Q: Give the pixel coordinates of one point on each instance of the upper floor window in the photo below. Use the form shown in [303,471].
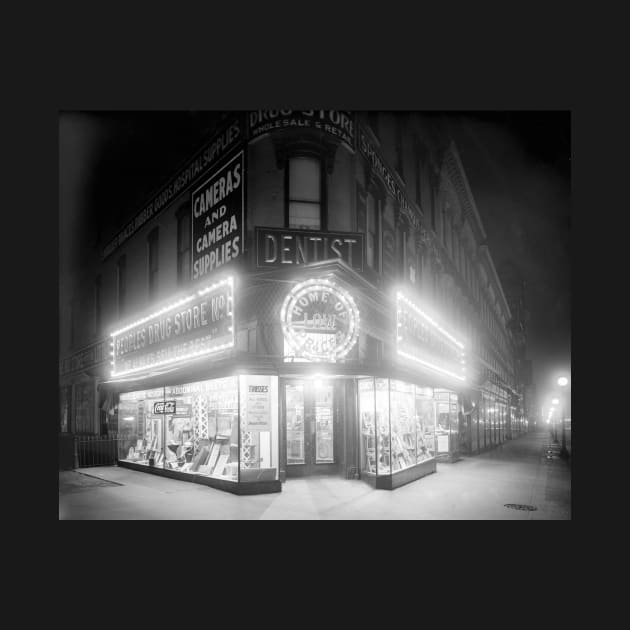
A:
[183,245]
[121,281]
[305,193]
[404,272]
[372,232]
[153,242]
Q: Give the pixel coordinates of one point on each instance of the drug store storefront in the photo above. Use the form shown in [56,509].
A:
[187,407]
[290,374]
[352,402]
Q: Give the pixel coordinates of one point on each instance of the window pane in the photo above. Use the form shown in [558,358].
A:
[367,413]
[304,215]
[324,452]
[183,235]
[295,423]
[304,179]
[370,250]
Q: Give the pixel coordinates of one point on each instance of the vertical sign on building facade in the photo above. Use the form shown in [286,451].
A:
[218,218]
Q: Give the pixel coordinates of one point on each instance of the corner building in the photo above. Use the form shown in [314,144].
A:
[310,294]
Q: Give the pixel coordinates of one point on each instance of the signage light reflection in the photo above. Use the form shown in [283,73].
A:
[192,355]
[399,338]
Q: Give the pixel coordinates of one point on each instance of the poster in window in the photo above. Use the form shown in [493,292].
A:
[258,403]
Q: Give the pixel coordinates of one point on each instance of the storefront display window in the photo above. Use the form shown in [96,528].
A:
[367,424]
[397,425]
[383,446]
[324,452]
[403,429]
[194,428]
[295,423]
[425,424]
[202,434]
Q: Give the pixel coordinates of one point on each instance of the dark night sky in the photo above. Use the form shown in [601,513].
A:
[517,163]
[518,166]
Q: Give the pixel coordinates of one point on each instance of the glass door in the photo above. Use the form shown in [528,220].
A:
[312,427]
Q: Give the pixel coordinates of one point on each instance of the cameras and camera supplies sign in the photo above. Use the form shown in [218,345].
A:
[320,321]
[218,218]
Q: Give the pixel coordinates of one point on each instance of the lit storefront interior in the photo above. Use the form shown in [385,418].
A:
[209,428]
[398,431]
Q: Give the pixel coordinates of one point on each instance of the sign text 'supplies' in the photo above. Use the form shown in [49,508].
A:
[217,218]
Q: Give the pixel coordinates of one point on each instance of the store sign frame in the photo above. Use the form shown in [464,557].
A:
[278,247]
[336,123]
[320,320]
[218,219]
[421,339]
[199,324]
[230,136]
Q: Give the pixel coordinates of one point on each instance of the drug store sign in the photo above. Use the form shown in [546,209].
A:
[197,325]
[320,321]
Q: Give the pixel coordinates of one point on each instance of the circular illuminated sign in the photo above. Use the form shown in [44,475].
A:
[320,320]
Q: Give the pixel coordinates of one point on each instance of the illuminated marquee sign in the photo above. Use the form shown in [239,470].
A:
[320,320]
[277,247]
[197,325]
[421,339]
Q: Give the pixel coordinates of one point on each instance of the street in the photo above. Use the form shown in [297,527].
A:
[522,472]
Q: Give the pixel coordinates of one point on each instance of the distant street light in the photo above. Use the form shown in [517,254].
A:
[555,401]
[563,382]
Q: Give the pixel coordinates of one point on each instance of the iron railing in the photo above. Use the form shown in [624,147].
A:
[96,450]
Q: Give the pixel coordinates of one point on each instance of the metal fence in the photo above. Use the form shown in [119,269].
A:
[96,450]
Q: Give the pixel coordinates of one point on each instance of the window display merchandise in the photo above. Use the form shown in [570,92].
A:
[397,421]
[447,430]
[295,423]
[194,428]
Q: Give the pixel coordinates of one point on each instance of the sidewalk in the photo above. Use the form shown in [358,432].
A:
[477,487]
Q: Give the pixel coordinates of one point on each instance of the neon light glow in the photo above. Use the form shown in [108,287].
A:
[436,348]
[211,315]
[229,281]
[329,324]
[430,365]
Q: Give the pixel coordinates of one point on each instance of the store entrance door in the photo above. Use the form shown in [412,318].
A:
[313,427]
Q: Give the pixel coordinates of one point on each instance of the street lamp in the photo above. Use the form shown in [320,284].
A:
[563,382]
